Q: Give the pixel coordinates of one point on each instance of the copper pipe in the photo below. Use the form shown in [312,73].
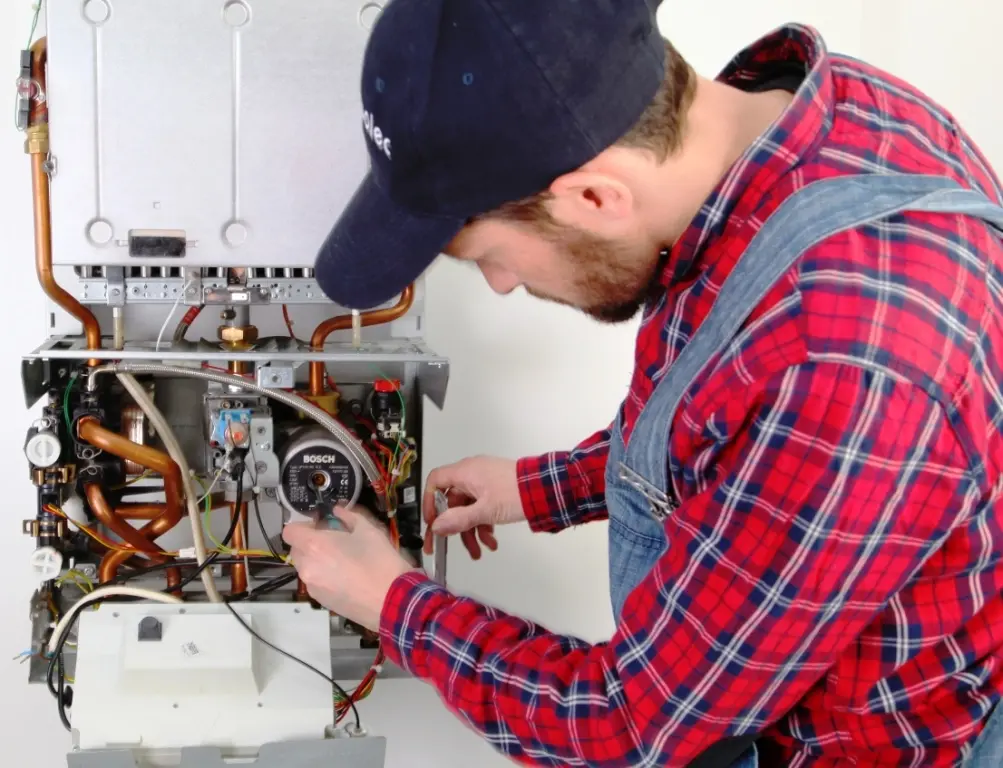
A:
[140,511]
[238,573]
[237,367]
[174,581]
[89,430]
[112,561]
[344,322]
[104,513]
[37,145]
[110,564]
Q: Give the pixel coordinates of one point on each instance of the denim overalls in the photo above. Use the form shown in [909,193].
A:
[639,494]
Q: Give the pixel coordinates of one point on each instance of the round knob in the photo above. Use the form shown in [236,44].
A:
[236,13]
[97,11]
[235,233]
[46,563]
[369,14]
[100,232]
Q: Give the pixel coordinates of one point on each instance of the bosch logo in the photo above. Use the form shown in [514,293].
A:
[320,458]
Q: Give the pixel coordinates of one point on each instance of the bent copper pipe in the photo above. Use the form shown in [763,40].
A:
[37,145]
[238,574]
[112,561]
[140,511]
[104,513]
[89,430]
[92,432]
[344,322]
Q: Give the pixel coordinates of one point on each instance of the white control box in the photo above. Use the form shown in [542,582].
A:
[193,676]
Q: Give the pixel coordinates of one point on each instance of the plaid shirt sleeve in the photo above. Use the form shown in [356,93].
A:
[566,488]
[825,487]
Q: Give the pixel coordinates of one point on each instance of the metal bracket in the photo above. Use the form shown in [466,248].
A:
[193,293]
[275,376]
[116,286]
[24,86]
[252,296]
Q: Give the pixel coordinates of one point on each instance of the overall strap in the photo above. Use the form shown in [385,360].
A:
[803,220]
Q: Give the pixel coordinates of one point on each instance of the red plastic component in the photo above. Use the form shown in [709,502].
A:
[387,385]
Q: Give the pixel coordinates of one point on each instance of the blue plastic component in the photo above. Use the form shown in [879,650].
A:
[240,416]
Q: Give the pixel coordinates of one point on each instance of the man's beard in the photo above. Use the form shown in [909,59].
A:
[612,280]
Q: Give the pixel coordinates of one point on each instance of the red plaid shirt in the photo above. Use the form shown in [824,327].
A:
[866,387]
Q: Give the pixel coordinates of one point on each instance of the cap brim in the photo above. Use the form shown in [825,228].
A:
[377,248]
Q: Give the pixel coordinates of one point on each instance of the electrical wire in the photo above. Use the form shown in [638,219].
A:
[138,573]
[100,594]
[175,451]
[174,308]
[37,7]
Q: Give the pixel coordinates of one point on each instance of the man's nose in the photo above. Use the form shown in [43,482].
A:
[500,281]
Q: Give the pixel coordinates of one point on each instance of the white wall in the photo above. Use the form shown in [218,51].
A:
[515,362]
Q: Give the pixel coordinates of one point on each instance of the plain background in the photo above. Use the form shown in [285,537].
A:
[526,377]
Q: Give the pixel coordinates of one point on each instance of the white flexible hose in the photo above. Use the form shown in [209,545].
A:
[352,444]
[145,402]
[99,594]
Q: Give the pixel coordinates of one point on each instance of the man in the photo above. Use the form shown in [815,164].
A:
[802,485]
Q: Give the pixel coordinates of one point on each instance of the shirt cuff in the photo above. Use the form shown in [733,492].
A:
[545,487]
[411,599]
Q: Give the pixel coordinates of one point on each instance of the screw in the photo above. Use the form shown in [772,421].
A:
[265,446]
[115,291]
[261,467]
[261,430]
[135,290]
[270,493]
[87,570]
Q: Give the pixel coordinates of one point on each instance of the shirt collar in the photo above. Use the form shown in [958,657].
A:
[796,133]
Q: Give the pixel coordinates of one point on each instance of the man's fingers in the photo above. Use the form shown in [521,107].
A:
[470,542]
[487,536]
[429,547]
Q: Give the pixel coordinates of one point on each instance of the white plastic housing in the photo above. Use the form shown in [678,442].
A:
[207,682]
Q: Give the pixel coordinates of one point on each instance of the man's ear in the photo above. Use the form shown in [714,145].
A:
[591,200]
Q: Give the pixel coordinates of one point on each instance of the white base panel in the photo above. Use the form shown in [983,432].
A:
[206,683]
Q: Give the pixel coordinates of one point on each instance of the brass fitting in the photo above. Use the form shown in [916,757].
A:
[238,335]
[327,402]
[36,140]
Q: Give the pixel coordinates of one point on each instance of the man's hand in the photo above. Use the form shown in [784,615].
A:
[348,572]
[483,493]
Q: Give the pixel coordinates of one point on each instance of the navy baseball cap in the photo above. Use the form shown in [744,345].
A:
[469,104]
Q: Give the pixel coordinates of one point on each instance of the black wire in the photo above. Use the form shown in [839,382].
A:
[261,527]
[61,695]
[331,680]
[264,588]
[178,563]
